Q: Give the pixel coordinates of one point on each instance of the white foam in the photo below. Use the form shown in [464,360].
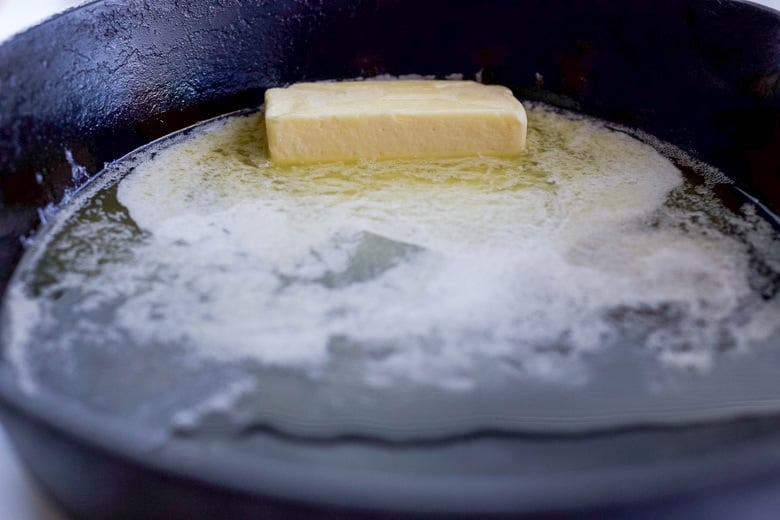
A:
[19,323]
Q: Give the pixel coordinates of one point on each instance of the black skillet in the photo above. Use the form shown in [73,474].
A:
[111,76]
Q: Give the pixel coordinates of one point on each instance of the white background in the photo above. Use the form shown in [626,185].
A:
[19,500]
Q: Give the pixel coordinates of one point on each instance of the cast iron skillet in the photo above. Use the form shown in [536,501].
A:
[106,78]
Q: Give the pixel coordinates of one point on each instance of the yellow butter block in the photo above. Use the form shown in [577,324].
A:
[319,122]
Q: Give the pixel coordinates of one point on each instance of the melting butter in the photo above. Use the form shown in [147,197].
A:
[438,272]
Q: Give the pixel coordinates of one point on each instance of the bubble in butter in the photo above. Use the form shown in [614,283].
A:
[439,273]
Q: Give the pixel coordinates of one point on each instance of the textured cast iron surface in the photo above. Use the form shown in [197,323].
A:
[113,75]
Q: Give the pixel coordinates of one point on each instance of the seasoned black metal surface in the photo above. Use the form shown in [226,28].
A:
[111,76]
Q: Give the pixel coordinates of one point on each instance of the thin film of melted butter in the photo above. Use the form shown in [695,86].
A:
[441,272]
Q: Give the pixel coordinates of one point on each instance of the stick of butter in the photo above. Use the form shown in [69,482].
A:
[319,122]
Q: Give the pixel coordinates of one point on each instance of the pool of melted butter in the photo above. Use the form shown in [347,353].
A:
[585,284]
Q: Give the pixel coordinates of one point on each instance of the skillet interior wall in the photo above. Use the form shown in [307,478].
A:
[111,76]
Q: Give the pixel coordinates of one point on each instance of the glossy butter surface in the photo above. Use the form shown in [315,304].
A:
[321,122]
